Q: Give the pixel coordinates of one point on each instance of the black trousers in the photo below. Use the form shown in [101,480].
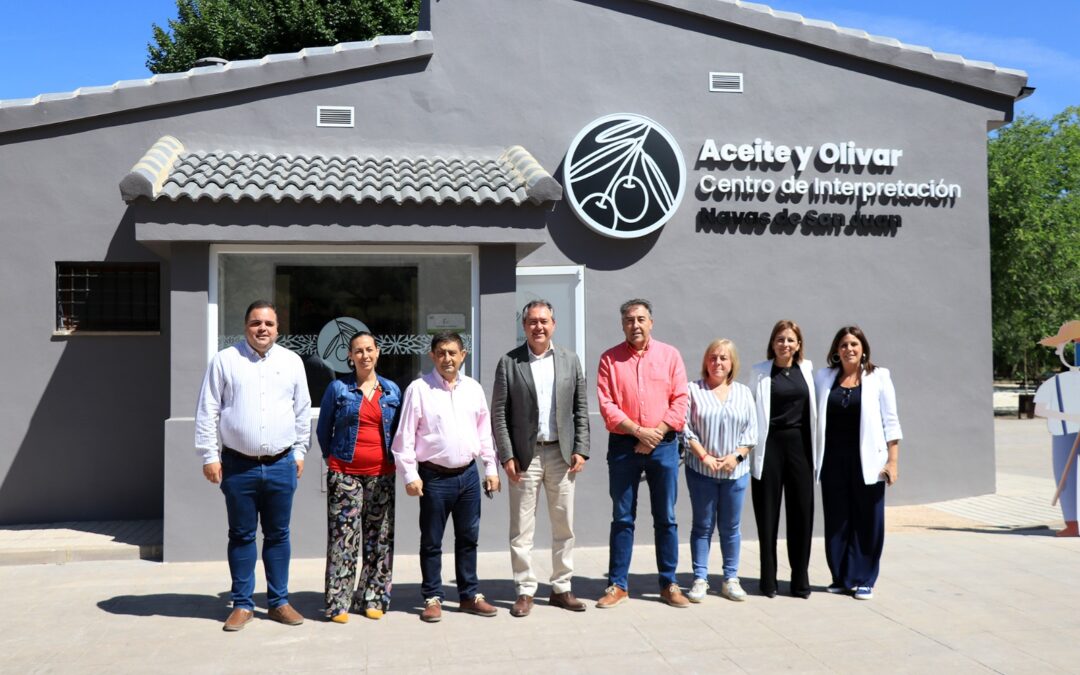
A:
[788,473]
[854,519]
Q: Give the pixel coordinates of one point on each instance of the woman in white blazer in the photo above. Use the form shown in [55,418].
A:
[783,460]
[859,434]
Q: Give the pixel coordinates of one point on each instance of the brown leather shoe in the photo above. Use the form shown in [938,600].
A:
[432,611]
[612,596]
[566,601]
[285,614]
[673,596]
[523,606]
[238,618]
[479,606]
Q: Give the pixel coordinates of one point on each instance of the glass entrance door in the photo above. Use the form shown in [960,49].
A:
[323,299]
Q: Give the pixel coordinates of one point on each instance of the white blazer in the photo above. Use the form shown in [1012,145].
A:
[878,422]
[761,385]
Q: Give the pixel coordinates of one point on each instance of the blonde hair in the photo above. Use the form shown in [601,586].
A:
[721,343]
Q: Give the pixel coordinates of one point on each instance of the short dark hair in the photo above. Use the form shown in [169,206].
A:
[625,307]
[536,303]
[834,349]
[781,325]
[259,304]
[446,336]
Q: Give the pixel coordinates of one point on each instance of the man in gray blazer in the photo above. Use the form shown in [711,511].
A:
[540,419]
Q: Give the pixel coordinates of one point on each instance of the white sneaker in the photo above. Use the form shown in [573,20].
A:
[698,590]
[732,590]
[864,593]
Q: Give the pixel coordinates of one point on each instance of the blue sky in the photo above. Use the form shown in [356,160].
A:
[60,45]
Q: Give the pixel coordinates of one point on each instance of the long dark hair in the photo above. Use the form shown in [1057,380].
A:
[833,359]
[785,324]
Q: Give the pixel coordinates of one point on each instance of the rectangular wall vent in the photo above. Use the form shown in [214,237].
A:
[728,83]
[335,116]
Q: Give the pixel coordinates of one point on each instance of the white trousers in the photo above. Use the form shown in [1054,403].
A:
[548,470]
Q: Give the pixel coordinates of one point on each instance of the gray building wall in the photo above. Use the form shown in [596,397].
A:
[529,73]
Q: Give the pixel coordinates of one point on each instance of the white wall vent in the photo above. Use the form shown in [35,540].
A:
[728,83]
[335,116]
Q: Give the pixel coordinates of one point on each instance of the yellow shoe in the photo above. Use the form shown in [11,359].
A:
[373,613]
[340,618]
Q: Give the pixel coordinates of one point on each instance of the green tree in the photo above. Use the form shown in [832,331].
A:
[1034,176]
[251,29]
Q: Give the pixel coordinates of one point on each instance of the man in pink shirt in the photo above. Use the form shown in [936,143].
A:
[641,385]
[445,426]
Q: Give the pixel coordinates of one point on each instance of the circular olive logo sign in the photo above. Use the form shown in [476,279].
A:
[624,175]
[333,342]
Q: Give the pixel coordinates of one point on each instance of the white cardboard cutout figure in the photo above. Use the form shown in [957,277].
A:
[1058,400]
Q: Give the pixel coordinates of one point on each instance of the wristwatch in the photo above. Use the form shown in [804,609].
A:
[739,457]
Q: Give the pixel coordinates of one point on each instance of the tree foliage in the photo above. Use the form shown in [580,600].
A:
[251,29]
[1034,190]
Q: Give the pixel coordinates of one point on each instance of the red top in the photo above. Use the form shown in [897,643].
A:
[369,458]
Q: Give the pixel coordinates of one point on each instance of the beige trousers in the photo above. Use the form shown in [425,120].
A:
[548,470]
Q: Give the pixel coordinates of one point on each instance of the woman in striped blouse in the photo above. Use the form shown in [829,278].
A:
[721,428]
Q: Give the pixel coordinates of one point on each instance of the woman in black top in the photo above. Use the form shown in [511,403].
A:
[783,459]
[859,435]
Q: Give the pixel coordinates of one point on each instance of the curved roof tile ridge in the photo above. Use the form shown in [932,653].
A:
[210,80]
[149,173]
[855,42]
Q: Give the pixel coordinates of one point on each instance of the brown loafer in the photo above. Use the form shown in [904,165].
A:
[432,611]
[285,614]
[478,605]
[673,596]
[612,596]
[238,618]
[566,601]
[522,606]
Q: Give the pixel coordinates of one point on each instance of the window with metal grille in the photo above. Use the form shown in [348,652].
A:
[108,297]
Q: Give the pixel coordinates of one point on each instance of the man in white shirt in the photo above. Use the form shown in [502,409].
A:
[252,429]
[540,419]
[1058,400]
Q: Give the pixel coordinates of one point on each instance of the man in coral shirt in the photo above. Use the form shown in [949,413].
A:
[641,385]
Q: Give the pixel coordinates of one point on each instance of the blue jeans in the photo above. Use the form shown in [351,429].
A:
[257,493]
[1062,446]
[661,468]
[717,503]
[445,496]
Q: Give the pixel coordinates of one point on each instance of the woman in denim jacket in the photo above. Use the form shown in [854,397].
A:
[357,420]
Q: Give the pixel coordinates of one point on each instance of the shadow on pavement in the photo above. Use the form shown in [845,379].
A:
[179,605]
[1027,531]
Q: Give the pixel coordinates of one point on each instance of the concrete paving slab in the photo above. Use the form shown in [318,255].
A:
[958,594]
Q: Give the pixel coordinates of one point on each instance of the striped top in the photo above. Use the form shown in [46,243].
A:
[720,427]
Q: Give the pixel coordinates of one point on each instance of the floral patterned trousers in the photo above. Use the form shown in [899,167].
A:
[360,531]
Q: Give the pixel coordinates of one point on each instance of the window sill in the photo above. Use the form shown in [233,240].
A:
[104,333]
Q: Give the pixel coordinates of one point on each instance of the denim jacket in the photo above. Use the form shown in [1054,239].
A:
[339,417]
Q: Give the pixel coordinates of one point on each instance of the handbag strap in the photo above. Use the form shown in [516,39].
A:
[1061,404]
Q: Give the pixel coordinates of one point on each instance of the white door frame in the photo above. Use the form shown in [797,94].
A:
[578,272]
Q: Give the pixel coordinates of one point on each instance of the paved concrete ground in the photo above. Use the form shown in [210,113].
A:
[962,593]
